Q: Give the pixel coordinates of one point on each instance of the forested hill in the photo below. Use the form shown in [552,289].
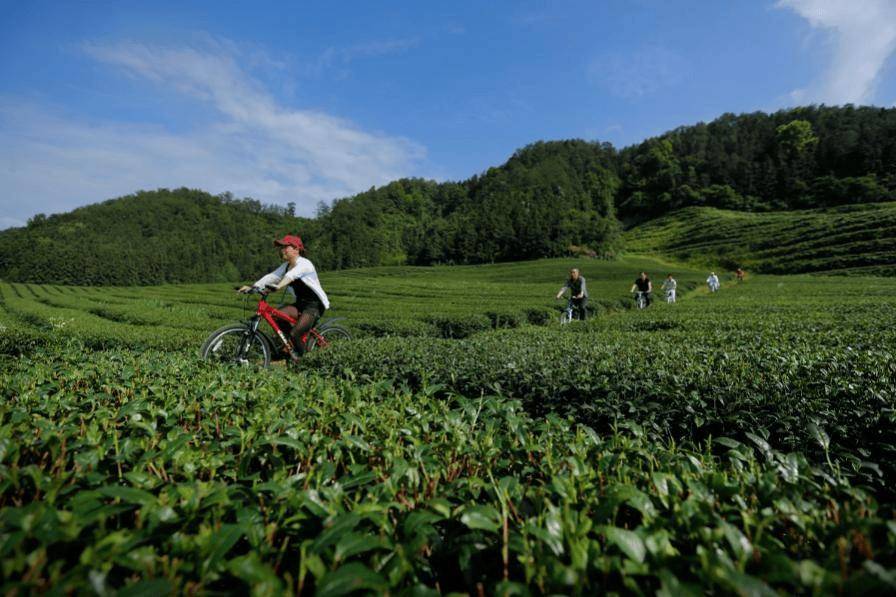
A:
[147,238]
[793,159]
[546,200]
[549,199]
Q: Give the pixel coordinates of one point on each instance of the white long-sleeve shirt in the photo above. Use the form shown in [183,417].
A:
[304,271]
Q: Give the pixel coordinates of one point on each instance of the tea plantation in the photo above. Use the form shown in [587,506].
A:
[851,239]
[741,442]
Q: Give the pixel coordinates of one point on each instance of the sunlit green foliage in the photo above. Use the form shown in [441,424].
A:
[859,239]
[399,301]
[155,472]
[734,442]
[813,156]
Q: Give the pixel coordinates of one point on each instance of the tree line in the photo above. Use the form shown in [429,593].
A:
[807,157]
[549,199]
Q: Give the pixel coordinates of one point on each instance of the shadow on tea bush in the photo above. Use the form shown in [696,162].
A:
[457,326]
[540,316]
[397,327]
[506,319]
[16,341]
[606,305]
[653,326]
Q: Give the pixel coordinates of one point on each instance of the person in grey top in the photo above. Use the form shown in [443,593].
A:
[578,292]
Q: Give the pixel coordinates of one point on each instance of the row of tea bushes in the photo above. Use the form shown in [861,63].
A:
[681,391]
[38,322]
[844,239]
[155,473]
[439,302]
[794,359]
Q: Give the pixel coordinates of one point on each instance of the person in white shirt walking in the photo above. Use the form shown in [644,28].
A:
[670,286]
[299,274]
[713,282]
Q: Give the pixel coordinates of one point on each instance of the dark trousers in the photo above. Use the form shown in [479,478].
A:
[582,305]
[307,316]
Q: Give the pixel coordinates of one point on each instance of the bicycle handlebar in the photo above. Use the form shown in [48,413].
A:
[269,288]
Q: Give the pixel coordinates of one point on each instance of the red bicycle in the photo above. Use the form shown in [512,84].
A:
[244,343]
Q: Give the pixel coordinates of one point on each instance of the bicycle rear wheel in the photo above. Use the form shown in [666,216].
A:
[236,344]
[330,334]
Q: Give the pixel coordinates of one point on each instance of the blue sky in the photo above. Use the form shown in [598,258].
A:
[306,102]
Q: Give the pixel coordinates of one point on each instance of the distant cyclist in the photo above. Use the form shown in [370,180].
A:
[740,274]
[578,292]
[643,285]
[299,274]
[713,282]
[670,286]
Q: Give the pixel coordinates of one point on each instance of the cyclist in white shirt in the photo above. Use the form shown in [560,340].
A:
[299,274]
[670,286]
[713,282]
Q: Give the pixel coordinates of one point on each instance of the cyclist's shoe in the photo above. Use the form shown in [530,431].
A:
[294,357]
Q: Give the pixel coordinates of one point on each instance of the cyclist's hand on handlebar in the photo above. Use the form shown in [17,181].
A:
[243,289]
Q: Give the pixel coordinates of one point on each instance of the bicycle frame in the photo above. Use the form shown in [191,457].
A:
[641,298]
[271,315]
[572,310]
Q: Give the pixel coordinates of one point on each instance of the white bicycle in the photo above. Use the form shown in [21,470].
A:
[570,312]
[641,299]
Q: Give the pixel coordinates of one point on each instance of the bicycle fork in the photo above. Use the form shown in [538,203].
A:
[287,345]
[284,340]
[247,339]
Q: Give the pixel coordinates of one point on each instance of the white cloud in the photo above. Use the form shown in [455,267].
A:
[614,129]
[255,145]
[641,73]
[335,60]
[863,35]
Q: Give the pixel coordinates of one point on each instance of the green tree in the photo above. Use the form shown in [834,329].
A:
[795,138]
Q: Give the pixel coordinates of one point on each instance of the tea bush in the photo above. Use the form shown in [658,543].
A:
[740,442]
[448,302]
[157,473]
[762,356]
[849,239]
[460,326]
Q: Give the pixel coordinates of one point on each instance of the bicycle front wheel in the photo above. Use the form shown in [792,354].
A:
[329,335]
[236,344]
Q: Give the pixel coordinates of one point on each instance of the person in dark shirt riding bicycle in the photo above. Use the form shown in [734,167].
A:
[643,284]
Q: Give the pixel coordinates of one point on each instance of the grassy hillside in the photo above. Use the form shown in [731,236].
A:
[856,239]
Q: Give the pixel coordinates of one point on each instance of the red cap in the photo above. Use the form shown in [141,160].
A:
[291,241]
